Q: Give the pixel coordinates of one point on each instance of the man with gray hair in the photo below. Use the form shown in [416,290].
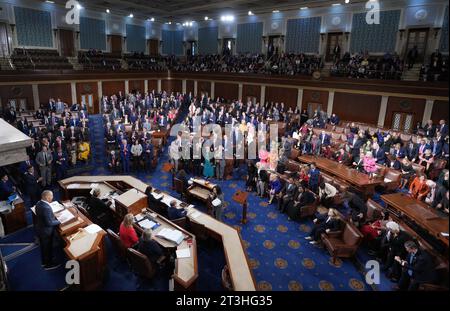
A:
[46,224]
[149,247]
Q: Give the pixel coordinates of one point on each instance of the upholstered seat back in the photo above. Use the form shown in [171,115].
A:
[373,210]
[140,264]
[350,236]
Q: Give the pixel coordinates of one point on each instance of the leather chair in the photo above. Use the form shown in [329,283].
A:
[339,129]
[438,166]
[293,166]
[311,209]
[180,222]
[295,153]
[418,168]
[117,244]
[199,230]
[140,264]
[392,179]
[343,244]
[374,210]
[179,186]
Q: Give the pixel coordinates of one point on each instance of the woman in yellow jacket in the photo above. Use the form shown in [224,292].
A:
[83,151]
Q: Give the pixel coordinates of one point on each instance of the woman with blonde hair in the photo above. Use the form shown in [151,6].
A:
[127,233]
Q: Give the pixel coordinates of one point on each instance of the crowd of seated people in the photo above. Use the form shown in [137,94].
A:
[60,140]
[437,69]
[139,61]
[361,65]
[98,60]
[33,59]
[283,64]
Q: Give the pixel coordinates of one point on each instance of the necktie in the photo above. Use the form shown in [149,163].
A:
[45,159]
[411,258]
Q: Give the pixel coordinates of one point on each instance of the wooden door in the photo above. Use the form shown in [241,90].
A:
[153,47]
[4,45]
[334,39]
[312,107]
[402,121]
[116,44]
[419,38]
[67,42]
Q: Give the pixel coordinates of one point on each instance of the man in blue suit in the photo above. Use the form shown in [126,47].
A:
[324,139]
[175,213]
[314,178]
[443,128]
[6,187]
[378,154]
[46,224]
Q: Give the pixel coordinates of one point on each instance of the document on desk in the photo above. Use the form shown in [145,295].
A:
[139,217]
[158,196]
[444,234]
[94,185]
[56,207]
[184,253]
[65,216]
[195,214]
[172,235]
[73,186]
[147,224]
[93,229]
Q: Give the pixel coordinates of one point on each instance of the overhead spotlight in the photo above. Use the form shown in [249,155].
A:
[170,23]
[347,1]
[304,8]
[79,6]
[250,13]
[206,18]
[336,4]
[131,15]
[48,1]
[108,11]
[276,11]
[152,19]
[227,18]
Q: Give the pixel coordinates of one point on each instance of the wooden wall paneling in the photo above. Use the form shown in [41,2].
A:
[113,87]
[17,92]
[288,96]
[440,111]
[190,86]
[171,86]
[60,90]
[403,104]
[203,87]
[153,85]
[251,90]
[136,85]
[153,47]
[87,88]
[357,107]
[315,98]
[229,91]
[67,42]
[116,44]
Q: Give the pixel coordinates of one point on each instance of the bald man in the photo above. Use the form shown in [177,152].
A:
[46,224]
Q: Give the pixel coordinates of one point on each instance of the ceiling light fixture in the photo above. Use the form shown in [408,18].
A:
[227,18]
[131,15]
[304,8]
[276,11]
[79,6]
[48,1]
[108,11]
[336,4]
[347,1]
[250,13]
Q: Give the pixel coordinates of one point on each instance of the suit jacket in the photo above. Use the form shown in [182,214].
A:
[175,213]
[380,156]
[151,249]
[40,158]
[30,184]
[97,207]
[422,267]
[46,221]
[307,197]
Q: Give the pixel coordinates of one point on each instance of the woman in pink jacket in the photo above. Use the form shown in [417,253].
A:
[369,164]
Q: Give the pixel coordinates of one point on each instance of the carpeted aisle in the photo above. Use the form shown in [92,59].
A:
[280,257]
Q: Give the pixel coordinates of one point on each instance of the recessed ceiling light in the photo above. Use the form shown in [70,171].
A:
[131,15]
[152,19]
[304,8]
[206,18]
[336,4]
[347,1]
[276,11]
[170,23]
[48,1]
[250,13]
[108,11]
[227,18]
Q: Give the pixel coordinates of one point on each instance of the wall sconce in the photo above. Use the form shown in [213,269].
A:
[402,31]
[436,31]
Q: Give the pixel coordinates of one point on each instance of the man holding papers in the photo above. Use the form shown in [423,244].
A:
[46,224]
[174,212]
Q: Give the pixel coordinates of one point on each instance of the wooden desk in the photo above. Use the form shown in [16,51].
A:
[419,212]
[358,180]
[132,201]
[235,255]
[241,198]
[14,220]
[201,189]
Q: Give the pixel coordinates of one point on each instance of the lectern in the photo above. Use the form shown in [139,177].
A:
[241,198]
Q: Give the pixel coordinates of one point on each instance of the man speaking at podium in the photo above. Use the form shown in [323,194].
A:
[46,224]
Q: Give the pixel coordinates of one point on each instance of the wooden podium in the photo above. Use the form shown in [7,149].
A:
[241,198]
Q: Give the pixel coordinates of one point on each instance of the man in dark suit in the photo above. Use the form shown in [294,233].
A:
[46,224]
[331,222]
[148,247]
[289,190]
[99,211]
[412,151]
[174,213]
[418,268]
[443,128]
[31,185]
[379,154]
[429,129]
[6,187]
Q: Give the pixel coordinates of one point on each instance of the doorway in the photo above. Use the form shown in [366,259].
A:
[116,44]
[275,46]
[334,40]
[153,47]
[4,44]
[312,107]
[67,42]
[88,100]
[419,38]
[191,48]
[402,121]
[228,46]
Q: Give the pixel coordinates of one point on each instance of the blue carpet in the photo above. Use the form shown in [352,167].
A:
[280,257]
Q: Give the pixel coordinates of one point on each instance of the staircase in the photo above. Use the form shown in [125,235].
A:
[74,61]
[6,64]
[412,74]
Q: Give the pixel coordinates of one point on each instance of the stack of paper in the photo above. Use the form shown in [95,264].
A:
[73,186]
[147,224]
[184,253]
[94,185]
[158,196]
[139,217]
[172,235]
[195,214]
[93,229]
[56,207]
[65,216]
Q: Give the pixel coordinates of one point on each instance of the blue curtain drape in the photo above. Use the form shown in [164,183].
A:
[443,45]
[207,40]
[249,38]
[34,28]
[303,35]
[136,38]
[92,33]
[172,42]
